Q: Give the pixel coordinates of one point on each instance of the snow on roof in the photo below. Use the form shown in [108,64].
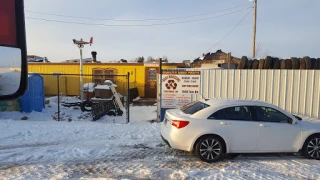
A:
[102,87]
[89,87]
[105,86]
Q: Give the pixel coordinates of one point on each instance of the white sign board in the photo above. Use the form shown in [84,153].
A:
[175,100]
[177,87]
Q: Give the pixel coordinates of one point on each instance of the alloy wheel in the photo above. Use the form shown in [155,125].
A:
[210,149]
[313,148]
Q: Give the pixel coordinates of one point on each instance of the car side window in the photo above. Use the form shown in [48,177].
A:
[232,113]
[267,114]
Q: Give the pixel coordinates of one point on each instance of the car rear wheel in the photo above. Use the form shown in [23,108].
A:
[311,147]
[209,149]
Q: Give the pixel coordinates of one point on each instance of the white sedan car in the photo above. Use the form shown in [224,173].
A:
[213,128]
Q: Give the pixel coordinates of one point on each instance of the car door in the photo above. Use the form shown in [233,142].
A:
[275,131]
[235,125]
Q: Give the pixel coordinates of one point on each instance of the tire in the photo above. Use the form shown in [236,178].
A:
[310,149]
[248,65]
[255,64]
[314,63]
[261,64]
[288,64]
[243,62]
[302,63]
[308,62]
[86,106]
[111,113]
[210,149]
[268,63]
[119,112]
[283,64]
[318,63]
[276,63]
[295,63]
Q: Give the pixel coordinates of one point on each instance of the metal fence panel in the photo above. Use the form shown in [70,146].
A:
[64,94]
[296,91]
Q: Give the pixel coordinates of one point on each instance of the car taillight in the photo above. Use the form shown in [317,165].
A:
[179,123]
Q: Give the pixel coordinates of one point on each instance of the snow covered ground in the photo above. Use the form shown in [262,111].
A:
[41,148]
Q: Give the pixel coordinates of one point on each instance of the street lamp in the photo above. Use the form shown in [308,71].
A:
[80,45]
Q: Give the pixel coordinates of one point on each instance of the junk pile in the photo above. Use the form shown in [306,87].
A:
[100,100]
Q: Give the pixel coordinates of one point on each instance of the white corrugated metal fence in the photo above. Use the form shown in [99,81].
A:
[296,91]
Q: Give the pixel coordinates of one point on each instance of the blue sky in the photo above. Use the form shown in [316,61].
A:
[284,28]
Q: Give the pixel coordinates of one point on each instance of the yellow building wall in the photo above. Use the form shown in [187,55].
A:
[70,84]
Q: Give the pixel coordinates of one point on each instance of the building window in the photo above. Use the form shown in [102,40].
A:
[101,75]
[152,75]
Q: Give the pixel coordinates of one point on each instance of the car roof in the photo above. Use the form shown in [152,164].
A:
[221,102]
[217,104]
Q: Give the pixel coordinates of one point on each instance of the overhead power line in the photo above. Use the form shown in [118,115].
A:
[136,25]
[229,32]
[155,19]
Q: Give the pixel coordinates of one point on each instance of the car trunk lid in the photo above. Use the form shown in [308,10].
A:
[174,114]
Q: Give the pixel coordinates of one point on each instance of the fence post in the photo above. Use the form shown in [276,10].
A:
[58,75]
[58,81]
[128,98]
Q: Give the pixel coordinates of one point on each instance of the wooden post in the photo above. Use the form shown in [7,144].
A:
[254,30]
[229,59]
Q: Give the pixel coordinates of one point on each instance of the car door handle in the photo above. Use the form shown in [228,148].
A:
[263,125]
[223,123]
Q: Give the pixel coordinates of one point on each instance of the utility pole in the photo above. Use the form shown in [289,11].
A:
[254,29]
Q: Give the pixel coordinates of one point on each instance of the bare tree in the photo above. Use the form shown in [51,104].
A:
[140,59]
[164,57]
[261,52]
[150,59]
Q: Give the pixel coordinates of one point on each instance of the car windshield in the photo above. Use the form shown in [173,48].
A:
[193,107]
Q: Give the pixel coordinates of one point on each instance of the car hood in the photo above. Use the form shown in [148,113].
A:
[311,123]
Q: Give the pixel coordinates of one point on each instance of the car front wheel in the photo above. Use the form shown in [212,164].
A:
[209,149]
[311,147]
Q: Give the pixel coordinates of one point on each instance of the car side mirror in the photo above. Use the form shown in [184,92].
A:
[13,51]
[291,121]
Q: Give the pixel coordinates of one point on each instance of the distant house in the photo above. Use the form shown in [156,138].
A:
[187,63]
[34,58]
[84,60]
[213,60]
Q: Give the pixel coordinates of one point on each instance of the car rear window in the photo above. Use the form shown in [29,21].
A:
[193,107]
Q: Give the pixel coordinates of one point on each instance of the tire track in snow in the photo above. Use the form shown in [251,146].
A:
[26,146]
[161,163]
